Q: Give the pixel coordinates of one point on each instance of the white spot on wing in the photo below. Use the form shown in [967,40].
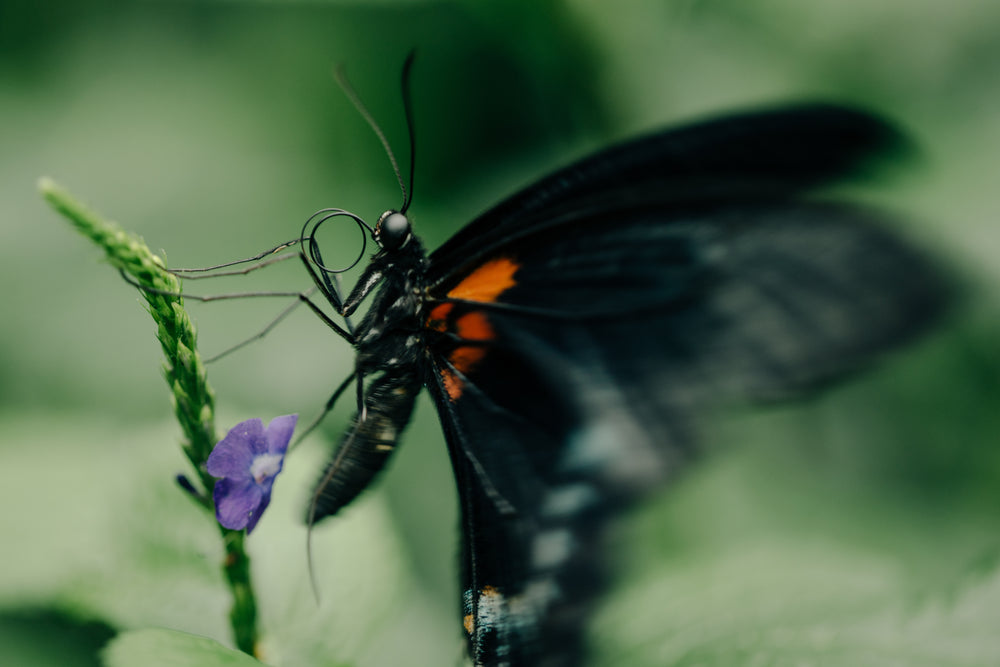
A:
[550,548]
[536,597]
[612,444]
[509,618]
[490,608]
[490,617]
[566,501]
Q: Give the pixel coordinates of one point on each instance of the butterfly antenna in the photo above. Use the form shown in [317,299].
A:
[408,111]
[309,564]
[340,74]
[314,508]
[326,410]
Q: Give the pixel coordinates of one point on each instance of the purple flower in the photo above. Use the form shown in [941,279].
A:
[247,460]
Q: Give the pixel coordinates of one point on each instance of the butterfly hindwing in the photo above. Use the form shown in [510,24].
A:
[528,572]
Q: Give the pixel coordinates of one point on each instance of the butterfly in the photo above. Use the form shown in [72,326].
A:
[572,335]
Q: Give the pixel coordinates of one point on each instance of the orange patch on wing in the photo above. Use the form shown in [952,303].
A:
[474,326]
[489,591]
[438,319]
[485,284]
[453,386]
[488,281]
[468,623]
[471,326]
[465,357]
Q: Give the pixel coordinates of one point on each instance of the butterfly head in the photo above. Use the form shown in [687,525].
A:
[392,231]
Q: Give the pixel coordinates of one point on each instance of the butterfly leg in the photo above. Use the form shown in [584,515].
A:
[330,402]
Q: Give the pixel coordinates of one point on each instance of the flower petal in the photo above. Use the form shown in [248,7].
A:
[233,455]
[256,513]
[248,459]
[279,433]
[237,503]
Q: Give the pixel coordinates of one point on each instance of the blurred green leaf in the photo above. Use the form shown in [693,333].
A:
[122,544]
[787,604]
[111,537]
[27,639]
[169,648]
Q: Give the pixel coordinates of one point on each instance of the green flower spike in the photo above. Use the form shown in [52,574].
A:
[184,372]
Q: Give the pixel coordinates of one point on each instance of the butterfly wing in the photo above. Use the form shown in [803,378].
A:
[778,152]
[574,344]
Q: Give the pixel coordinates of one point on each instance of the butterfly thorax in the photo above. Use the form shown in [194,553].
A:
[389,336]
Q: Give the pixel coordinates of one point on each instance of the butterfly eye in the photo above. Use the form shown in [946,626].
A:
[392,231]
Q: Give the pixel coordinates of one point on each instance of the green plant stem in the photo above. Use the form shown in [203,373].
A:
[185,373]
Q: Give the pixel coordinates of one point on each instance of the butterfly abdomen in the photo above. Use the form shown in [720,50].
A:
[369,442]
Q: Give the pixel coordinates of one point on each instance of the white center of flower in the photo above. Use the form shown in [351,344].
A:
[264,466]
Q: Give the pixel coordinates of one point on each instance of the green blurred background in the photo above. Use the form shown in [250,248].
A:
[859,528]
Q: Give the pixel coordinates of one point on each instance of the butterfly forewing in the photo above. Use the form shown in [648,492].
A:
[776,152]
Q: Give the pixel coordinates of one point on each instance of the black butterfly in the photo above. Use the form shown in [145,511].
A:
[571,335]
